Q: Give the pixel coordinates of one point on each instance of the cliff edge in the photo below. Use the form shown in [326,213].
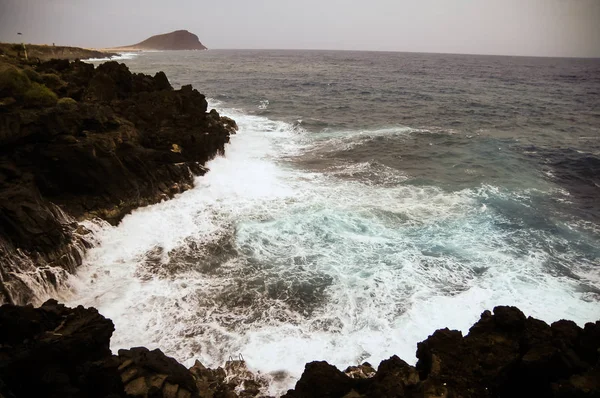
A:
[81,142]
[43,52]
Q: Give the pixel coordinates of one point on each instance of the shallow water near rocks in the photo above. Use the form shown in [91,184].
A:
[368,199]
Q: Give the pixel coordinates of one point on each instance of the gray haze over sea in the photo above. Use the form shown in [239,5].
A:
[367,199]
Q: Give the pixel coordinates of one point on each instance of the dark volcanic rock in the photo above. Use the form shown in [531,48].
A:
[177,40]
[145,372]
[106,142]
[504,355]
[54,351]
[321,379]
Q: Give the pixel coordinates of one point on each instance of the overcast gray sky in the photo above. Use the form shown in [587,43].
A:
[519,27]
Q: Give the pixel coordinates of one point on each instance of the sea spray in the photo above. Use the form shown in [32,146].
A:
[286,264]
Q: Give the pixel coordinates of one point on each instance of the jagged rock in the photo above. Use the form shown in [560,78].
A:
[321,379]
[210,383]
[239,378]
[222,383]
[142,370]
[104,149]
[54,351]
[505,354]
[363,371]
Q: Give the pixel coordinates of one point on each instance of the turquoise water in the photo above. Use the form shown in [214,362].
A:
[368,199]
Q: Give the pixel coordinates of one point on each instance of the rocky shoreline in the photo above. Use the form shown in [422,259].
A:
[54,351]
[39,52]
[79,143]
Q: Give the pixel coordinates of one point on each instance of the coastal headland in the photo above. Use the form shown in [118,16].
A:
[176,40]
[45,52]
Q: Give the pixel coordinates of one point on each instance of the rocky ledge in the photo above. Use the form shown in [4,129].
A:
[79,142]
[45,52]
[54,351]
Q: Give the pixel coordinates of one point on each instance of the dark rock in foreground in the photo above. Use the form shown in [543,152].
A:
[54,351]
[504,355]
[79,142]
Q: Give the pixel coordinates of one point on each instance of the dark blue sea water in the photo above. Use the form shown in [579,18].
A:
[368,199]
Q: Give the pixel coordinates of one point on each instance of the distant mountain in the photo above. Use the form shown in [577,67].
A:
[177,40]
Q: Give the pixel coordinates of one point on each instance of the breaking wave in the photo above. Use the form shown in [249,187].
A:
[287,264]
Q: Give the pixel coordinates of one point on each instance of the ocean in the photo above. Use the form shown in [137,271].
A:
[368,199]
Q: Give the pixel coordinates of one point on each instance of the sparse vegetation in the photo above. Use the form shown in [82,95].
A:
[45,52]
[66,103]
[16,83]
[52,81]
[39,95]
[32,75]
[13,82]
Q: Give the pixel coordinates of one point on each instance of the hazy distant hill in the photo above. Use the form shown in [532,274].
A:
[178,40]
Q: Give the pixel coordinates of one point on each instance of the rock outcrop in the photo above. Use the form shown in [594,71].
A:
[79,142]
[177,40]
[54,351]
[44,52]
[505,354]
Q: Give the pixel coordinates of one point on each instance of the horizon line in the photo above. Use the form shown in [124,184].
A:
[403,51]
[331,49]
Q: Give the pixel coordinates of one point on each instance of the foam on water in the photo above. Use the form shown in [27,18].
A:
[287,266]
[120,57]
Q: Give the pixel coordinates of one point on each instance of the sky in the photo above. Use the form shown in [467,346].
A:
[508,27]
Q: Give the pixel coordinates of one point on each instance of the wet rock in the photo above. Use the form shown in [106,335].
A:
[142,370]
[363,371]
[321,379]
[505,354]
[103,149]
[232,381]
[240,379]
[54,351]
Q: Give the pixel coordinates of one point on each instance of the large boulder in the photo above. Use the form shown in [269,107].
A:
[54,351]
[145,373]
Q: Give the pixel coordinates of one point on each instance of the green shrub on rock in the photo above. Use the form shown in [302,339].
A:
[13,82]
[52,81]
[17,49]
[67,103]
[39,95]
[32,75]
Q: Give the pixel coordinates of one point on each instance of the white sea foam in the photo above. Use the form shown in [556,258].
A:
[120,57]
[288,266]
[264,104]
